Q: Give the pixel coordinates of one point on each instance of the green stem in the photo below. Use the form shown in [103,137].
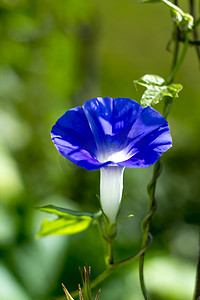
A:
[107,234]
[176,48]
[132,258]
[197,285]
[112,268]
[115,266]
[176,65]
[196,23]
[171,5]
[195,33]
[167,106]
[146,222]
[157,167]
[190,42]
[108,253]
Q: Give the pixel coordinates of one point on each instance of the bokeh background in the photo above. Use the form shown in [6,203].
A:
[55,55]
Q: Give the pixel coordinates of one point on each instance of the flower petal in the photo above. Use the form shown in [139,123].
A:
[149,134]
[142,159]
[73,138]
[110,121]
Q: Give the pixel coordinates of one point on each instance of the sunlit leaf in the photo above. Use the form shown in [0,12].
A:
[68,221]
[155,94]
[184,21]
[156,89]
[60,211]
[149,79]
[64,226]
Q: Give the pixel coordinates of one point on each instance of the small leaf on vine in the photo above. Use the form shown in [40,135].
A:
[156,89]
[184,21]
[63,212]
[68,221]
[155,94]
[149,79]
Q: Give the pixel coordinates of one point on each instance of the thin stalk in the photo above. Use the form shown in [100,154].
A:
[158,167]
[178,63]
[171,5]
[190,42]
[132,258]
[107,272]
[107,244]
[195,33]
[176,49]
[196,23]
[146,222]
[108,253]
[197,285]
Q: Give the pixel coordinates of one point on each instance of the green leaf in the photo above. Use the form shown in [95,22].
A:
[68,221]
[60,211]
[154,94]
[184,21]
[156,89]
[149,79]
[64,226]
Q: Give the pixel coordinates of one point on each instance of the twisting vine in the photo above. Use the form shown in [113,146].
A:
[197,286]
[151,187]
[147,221]
[195,33]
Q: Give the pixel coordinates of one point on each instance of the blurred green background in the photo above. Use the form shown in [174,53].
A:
[55,55]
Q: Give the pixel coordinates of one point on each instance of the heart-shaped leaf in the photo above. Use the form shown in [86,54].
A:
[68,221]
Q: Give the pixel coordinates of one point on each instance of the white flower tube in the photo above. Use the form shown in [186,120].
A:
[111,186]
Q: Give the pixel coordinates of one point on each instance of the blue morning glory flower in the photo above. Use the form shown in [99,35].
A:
[111,134]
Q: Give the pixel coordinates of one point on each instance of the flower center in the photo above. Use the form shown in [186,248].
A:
[115,157]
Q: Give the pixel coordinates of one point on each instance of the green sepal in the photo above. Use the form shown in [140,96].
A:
[68,221]
[127,217]
[156,89]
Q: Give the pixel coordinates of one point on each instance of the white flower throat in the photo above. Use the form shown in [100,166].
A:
[115,157]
